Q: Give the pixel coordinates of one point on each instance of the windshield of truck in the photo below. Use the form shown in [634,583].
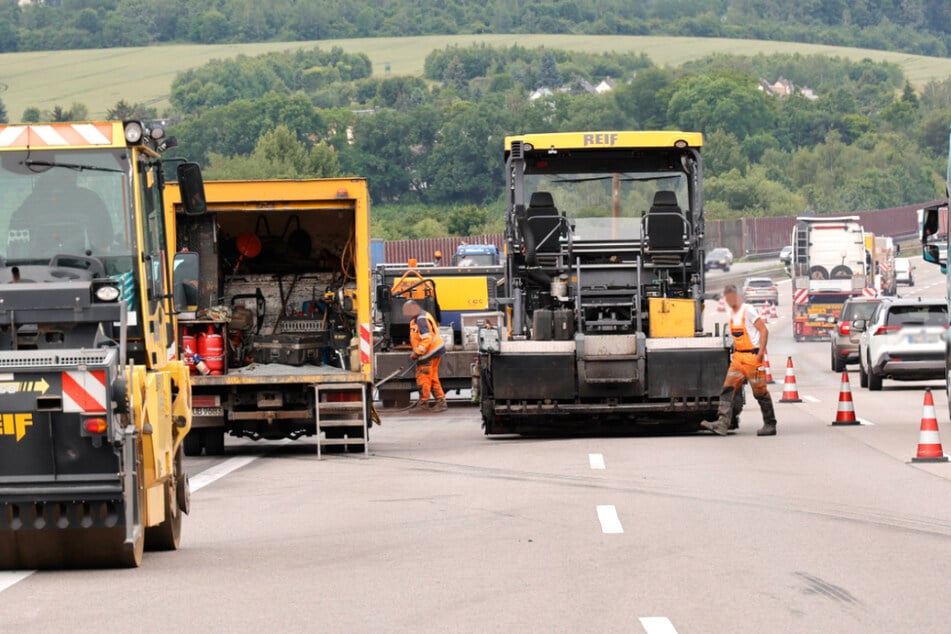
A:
[475,259]
[66,202]
[606,206]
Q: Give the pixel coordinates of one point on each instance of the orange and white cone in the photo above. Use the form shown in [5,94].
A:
[764,311]
[845,415]
[721,306]
[773,312]
[929,441]
[790,391]
[769,372]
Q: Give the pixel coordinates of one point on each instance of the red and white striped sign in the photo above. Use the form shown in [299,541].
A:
[84,392]
[801,296]
[869,292]
[366,343]
[56,135]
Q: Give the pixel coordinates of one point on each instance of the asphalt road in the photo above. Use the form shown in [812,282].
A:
[819,529]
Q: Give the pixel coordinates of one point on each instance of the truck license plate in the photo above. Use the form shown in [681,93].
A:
[208,411]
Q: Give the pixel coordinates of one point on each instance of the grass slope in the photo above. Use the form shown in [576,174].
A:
[100,78]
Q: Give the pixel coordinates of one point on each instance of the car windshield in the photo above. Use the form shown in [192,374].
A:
[718,253]
[859,310]
[760,283]
[66,202]
[917,315]
[607,206]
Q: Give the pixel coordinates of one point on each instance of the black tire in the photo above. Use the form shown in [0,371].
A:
[818,273]
[213,439]
[911,283]
[168,534]
[838,365]
[863,376]
[726,269]
[841,272]
[192,443]
[874,382]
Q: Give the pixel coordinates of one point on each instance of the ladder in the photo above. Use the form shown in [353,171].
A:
[341,422]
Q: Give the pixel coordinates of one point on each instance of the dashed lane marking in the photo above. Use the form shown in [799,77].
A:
[864,421]
[9,579]
[811,399]
[200,481]
[657,625]
[596,460]
[610,523]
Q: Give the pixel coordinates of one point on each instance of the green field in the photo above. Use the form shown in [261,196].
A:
[100,78]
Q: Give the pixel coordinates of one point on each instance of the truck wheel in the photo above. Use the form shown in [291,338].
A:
[818,273]
[874,382]
[168,534]
[214,440]
[192,442]
[841,272]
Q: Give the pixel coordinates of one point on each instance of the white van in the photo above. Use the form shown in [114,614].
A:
[904,272]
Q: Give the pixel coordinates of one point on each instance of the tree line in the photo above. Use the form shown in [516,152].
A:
[916,26]
[431,147]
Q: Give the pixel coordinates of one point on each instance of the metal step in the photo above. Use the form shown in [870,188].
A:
[344,416]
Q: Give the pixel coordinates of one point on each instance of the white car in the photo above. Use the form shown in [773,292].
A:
[904,340]
[904,272]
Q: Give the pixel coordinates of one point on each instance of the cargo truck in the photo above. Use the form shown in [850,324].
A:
[95,403]
[279,334]
[829,265]
[604,289]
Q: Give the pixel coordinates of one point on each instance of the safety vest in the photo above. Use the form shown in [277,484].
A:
[742,342]
[424,336]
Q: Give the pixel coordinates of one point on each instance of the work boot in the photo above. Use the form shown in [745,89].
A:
[439,405]
[769,416]
[720,426]
[420,407]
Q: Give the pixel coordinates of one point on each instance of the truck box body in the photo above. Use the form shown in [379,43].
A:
[291,259]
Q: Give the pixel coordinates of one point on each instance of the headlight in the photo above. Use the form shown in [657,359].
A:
[133,132]
[107,293]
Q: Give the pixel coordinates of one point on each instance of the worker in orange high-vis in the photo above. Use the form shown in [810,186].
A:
[749,349]
[428,348]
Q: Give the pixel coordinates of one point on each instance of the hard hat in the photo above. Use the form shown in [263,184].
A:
[437,254]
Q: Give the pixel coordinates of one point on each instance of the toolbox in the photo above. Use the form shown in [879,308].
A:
[290,349]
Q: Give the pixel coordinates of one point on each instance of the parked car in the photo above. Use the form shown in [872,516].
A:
[759,290]
[844,338]
[904,272]
[719,258]
[785,254]
[903,340]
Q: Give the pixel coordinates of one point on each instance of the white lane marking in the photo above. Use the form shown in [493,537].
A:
[811,399]
[215,473]
[596,460]
[864,421]
[657,625]
[610,523]
[9,579]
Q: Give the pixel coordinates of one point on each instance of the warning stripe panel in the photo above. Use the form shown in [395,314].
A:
[365,343]
[56,135]
[84,391]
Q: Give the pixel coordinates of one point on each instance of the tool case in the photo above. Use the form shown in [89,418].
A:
[290,349]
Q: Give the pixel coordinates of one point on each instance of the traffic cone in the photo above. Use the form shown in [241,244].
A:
[790,391]
[764,311]
[845,415]
[774,312]
[769,372]
[929,442]
[721,306]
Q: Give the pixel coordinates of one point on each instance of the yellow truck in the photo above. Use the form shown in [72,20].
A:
[278,333]
[95,402]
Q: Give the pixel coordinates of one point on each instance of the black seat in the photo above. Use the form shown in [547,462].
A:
[544,221]
[666,226]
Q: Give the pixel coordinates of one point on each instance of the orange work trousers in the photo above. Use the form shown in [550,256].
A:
[427,378]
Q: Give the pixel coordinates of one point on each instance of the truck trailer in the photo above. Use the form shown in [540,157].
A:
[829,265]
[604,287]
[283,304]
[95,403]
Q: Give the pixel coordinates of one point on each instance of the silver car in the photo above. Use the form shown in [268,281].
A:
[844,338]
[759,290]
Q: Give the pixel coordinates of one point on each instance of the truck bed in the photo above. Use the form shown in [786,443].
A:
[260,373]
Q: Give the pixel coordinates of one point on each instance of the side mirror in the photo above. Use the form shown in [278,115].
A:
[192,188]
[859,325]
[185,281]
[931,253]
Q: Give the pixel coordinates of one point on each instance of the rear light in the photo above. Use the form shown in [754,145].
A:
[748,289]
[886,329]
[772,288]
[95,425]
[845,327]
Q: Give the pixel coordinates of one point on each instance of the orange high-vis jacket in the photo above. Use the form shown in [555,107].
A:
[424,336]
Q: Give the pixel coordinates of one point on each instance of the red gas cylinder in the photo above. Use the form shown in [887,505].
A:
[188,351]
[211,347]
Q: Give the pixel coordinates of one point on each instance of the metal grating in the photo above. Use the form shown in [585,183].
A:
[48,358]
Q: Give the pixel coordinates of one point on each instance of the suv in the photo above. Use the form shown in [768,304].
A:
[904,340]
[844,338]
[720,258]
[759,290]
